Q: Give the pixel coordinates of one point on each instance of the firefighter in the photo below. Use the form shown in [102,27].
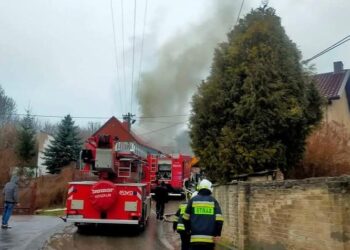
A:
[180,227]
[203,218]
[161,197]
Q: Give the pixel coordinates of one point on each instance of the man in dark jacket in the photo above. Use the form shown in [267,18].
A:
[10,195]
[203,218]
[161,197]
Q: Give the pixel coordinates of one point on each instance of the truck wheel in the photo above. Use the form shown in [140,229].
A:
[142,225]
[82,229]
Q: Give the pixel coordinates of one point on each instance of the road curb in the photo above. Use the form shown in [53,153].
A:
[42,238]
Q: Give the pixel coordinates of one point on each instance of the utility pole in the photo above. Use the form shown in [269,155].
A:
[129,119]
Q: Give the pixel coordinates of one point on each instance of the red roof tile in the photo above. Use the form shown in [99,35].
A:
[330,84]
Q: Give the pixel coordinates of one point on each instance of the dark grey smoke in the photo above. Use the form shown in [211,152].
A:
[181,64]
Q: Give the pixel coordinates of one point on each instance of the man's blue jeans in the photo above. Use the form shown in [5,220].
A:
[8,208]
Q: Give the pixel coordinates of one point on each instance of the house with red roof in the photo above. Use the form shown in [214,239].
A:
[335,86]
[122,131]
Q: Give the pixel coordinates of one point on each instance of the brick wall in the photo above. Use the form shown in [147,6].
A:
[310,214]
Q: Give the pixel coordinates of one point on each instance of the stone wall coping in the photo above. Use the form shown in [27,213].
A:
[317,181]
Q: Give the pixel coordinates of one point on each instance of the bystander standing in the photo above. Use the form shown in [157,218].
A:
[10,195]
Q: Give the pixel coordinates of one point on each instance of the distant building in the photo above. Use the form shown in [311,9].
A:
[335,86]
[44,141]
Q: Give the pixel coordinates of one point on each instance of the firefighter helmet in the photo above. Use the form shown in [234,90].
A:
[205,184]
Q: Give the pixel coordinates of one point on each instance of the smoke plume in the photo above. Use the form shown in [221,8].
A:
[183,61]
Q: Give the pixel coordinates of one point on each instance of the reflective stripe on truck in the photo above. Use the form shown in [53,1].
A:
[102,221]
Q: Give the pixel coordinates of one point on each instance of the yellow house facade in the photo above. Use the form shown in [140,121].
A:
[335,86]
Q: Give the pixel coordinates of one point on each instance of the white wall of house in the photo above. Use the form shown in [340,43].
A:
[44,141]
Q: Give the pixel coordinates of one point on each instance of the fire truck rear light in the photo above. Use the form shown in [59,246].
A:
[77,204]
[131,206]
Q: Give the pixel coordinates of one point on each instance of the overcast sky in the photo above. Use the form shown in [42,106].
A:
[58,56]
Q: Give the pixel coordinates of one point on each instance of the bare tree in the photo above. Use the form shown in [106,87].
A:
[49,128]
[7,107]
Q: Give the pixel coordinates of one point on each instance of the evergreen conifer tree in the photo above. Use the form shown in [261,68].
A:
[64,148]
[26,148]
[258,105]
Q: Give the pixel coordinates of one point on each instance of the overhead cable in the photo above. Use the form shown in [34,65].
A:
[160,129]
[160,116]
[91,117]
[164,122]
[333,46]
[239,13]
[143,37]
[116,57]
[122,16]
[133,59]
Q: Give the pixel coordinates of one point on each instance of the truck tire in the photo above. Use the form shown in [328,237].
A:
[84,229]
[141,227]
[144,220]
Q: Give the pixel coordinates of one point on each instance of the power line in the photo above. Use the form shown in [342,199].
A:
[133,58]
[240,10]
[333,46]
[91,117]
[147,130]
[116,57]
[122,15]
[57,116]
[157,130]
[163,122]
[143,36]
[160,116]
[347,38]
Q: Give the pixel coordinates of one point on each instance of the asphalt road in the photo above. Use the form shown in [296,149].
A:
[157,236]
[51,233]
[29,232]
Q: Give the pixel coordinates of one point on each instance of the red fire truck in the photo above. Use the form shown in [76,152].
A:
[172,169]
[122,193]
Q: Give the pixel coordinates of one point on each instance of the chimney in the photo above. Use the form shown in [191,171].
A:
[338,66]
[125,124]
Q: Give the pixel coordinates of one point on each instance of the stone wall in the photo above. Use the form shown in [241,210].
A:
[310,214]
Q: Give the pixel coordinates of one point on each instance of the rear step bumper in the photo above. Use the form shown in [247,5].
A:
[102,221]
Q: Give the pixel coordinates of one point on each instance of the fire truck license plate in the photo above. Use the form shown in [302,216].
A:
[75,216]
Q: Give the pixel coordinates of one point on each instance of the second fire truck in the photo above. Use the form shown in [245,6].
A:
[173,170]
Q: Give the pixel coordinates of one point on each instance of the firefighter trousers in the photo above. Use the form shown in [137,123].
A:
[202,246]
[185,240]
[160,209]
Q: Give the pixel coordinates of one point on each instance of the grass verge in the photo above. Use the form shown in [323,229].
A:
[51,212]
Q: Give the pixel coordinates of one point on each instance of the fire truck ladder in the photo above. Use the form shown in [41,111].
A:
[125,171]
[130,149]
[154,166]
